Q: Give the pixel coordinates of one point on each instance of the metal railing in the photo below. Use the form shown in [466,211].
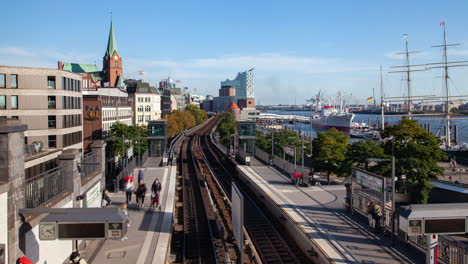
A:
[89,165]
[43,187]
[450,250]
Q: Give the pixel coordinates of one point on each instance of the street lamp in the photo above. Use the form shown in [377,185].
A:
[393,191]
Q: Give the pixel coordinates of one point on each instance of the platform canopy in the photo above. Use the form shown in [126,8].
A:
[448,218]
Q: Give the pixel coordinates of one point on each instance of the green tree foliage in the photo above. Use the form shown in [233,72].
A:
[199,115]
[286,137]
[226,127]
[358,152]
[130,135]
[329,152]
[417,153]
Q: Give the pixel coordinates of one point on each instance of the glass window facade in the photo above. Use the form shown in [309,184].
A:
[2,80]
[2,101]
[157,130]
[14,102]
[14,81]
[247,130]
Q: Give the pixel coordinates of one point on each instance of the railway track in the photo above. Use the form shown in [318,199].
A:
[266,234]
[203,227]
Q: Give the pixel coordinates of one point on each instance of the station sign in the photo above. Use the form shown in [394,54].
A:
[288,150]
[369,180]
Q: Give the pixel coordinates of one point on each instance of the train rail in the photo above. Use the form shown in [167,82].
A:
[266,234]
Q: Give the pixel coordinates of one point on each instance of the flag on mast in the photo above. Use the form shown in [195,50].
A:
[141,73]
[370,99]
[442,23]
[405,35]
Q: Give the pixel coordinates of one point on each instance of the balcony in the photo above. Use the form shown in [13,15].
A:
[42,188]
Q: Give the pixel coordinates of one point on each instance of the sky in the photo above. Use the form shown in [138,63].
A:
[297,47]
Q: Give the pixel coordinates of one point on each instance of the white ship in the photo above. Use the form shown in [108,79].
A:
[330,117]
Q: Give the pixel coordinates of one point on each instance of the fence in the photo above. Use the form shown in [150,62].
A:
[89,165]
[285,165]
[127,170]
[43,187]
[450,250]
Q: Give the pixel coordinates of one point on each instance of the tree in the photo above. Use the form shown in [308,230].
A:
[173,127]
[358,152]
[129,135]
[329,152]
[416,155]
[226,127]
[200,115]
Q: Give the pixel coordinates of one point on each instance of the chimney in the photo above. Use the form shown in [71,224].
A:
[60,65]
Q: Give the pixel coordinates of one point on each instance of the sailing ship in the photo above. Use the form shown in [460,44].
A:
[448,142]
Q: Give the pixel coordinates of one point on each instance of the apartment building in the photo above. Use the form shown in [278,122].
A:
[146,101]
[49,102]
[103,107]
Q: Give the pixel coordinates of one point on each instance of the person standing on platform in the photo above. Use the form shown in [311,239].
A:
[106,201]
[155,192]
[370,216]
[140,193]
[129,190]
[141,176]
[76,259]
[377,214]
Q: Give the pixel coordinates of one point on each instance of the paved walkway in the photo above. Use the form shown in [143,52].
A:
[144,231]
[324,209]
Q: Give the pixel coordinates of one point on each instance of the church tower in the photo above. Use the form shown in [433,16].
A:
[112,62]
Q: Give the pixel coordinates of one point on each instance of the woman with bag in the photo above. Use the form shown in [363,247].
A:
[129,190]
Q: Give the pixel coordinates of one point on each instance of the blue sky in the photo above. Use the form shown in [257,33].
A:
[296,47]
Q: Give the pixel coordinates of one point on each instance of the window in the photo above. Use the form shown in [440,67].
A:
[140,118]
[147,118]
[2,80]
[14,117]
[14,81]
[140,108]
[14,102]
[147,108]
[51,102]
[52,141]
[51,122]
[2,101]
[51,82]
[140,99]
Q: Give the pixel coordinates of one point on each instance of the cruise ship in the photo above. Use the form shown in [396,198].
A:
[330,117]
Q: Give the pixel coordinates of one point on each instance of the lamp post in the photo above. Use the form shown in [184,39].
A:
[392,160]
[272,150]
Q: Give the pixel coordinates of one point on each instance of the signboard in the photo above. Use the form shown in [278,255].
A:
[130,152]
[444,226]
[93,197]
[289,150]
[369,181]
[81,231]
[414,227]
[237,212]
[114,230]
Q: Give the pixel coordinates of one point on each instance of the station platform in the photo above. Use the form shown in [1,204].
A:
[148,236]
[317,219]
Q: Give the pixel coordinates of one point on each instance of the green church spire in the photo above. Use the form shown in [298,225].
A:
[111,44]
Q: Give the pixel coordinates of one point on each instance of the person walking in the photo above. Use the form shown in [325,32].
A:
[129,190]
[140,193]
[155,193]
[124,209]
[76,259]
[105,201]
[141,176]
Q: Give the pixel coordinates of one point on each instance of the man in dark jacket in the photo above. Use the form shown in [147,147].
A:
[155,192]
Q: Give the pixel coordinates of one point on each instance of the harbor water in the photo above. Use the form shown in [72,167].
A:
[436,123]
